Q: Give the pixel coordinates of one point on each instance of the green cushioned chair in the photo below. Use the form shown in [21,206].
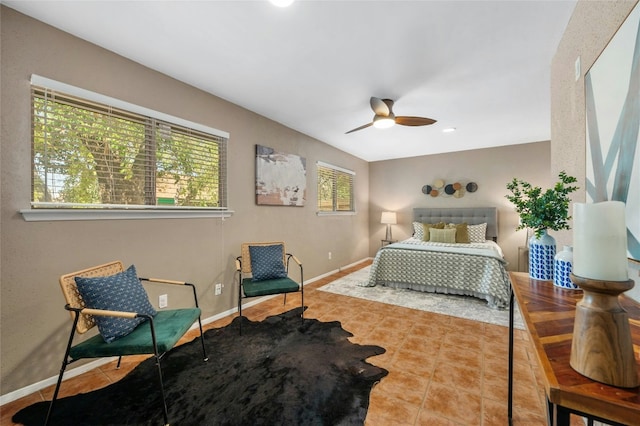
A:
[272,278]
[155,336]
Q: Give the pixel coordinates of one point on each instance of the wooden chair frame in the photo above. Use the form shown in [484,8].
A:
[83,321]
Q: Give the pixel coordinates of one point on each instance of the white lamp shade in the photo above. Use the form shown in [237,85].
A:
[388,218]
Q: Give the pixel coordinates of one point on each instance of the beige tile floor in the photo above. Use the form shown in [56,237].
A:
[443,370]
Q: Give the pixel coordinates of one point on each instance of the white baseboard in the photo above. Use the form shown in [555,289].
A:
[337,270]
[74,372]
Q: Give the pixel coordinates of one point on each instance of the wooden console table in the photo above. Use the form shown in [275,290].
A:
[548,312]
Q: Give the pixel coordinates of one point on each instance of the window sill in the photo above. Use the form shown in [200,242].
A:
[40,215]
[325,213]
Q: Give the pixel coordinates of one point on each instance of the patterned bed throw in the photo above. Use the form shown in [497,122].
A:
[476,269]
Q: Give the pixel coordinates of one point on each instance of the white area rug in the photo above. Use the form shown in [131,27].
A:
[447,304]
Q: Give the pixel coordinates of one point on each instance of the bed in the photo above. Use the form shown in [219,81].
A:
[476,268]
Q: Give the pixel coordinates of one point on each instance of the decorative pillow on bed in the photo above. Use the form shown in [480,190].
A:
[266,262]
[426,236]
[447,235]
[477,233]
[118,292]
[462,231]
[418,231]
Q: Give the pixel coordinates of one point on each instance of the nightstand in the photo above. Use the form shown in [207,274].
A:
[385,242]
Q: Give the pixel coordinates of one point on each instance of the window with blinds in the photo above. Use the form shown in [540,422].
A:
[93,155]
[335,189]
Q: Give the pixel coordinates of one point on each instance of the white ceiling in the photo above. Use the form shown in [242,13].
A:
[482,67]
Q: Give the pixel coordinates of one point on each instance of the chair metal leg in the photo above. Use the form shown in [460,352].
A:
[302,292]
[65,362]
[240,314]
[195,298]
[240,303]
[157,356]
[164,401]
[302,297]
[204,351]
[55,393]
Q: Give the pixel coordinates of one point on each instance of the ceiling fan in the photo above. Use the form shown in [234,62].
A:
[384,116]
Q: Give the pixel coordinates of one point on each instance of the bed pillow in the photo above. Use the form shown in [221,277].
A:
[119,292]
[426,227]
[477,233]
[447,235]
[266,262]
[418,231]
[462,231]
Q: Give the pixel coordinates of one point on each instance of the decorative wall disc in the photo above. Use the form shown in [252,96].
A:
[449,189]
[456,189]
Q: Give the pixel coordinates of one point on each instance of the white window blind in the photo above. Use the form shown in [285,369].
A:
[335,188]
[94,155]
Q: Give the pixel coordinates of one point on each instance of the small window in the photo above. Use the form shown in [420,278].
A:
[87,154]
[335,189]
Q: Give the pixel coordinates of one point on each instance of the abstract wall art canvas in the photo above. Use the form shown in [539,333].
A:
[612,91]
[281,179]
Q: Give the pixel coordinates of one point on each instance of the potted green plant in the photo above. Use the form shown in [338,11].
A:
[542,210]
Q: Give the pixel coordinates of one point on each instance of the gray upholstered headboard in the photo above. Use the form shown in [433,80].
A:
[471,215]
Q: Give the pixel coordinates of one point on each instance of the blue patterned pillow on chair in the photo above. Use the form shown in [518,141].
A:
[118,292]
[266,262]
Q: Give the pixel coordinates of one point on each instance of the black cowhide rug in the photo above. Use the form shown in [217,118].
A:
[279,372]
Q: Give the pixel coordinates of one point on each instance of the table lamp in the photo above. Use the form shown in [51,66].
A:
[601,348]
[388,218]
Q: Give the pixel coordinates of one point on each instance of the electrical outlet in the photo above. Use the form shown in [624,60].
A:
[163,301]
[329,255]
[218,289]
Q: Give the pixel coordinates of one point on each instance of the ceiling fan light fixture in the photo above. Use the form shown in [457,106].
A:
[385,118]
[383,122]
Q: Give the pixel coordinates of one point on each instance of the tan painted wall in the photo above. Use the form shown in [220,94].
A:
[397,185]
[592,25]
[35,254]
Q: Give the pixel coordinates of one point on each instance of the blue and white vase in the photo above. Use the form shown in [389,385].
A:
[562,266]
[542,252]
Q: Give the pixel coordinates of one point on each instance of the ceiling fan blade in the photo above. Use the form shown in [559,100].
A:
[381,106]
[414,121]
[359,128]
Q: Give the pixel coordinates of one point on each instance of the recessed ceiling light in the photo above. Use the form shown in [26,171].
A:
[281,3]
[449,130]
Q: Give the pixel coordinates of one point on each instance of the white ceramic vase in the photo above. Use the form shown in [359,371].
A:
[562,266]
